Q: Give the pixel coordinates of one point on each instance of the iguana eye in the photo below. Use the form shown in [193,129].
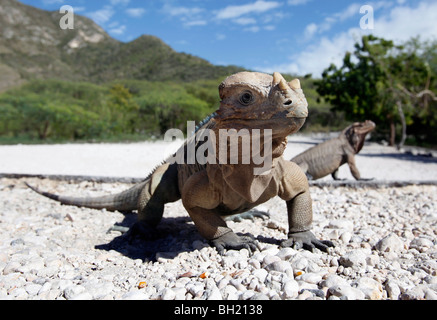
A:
[246,98]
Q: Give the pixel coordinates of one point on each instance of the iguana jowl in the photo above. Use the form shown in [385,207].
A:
[213,190]
[327,157]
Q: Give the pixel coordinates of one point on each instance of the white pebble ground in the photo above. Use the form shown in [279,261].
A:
[385,237]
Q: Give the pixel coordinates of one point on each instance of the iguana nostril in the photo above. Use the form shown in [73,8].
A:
[288,102]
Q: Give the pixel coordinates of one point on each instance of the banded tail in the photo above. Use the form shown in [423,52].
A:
[123,201]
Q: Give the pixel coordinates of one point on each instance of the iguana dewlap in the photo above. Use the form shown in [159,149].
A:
[254,104]
[327,157]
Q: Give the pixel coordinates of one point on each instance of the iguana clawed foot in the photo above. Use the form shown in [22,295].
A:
[231,241]
[306,240]
[139,229]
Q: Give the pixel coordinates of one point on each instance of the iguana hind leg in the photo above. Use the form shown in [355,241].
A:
[161,189]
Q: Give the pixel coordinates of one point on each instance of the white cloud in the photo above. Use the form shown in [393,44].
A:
[189,16]
[400,23]
[136,12]
[352,10]
[253,29]
[232,12]
[242,15]
[103,15]
[244,21]
[194,23]
[48,2]
[310,30]
[220,36]
[118,30]
[79,9]
[316,57]
[326,25]
[181,11]
[403,22]
[297,2]
[121,2]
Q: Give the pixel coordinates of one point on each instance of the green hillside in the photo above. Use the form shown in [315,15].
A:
[33,46]
[81,84]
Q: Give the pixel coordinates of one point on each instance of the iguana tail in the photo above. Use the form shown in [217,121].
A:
[123,202]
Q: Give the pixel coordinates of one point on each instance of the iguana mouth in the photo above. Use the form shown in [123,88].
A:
[293,113]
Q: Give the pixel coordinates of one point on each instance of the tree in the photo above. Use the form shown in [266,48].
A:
[368,85]
[123,109]
[423,97]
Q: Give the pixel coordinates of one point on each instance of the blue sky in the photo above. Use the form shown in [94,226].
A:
[294,36]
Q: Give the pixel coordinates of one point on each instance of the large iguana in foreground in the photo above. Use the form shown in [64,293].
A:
[215,189]
[327,157]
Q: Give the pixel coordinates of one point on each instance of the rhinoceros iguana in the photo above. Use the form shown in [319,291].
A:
[327,157]
[254,105]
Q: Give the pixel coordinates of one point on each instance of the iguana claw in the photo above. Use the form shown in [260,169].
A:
[307,241]
[231,241]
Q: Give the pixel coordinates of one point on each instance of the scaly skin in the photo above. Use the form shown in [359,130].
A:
[327,157]
[213,190]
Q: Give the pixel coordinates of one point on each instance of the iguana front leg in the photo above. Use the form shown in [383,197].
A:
[213,228]
[200,199]
[299,219]
[354,169]
[335,175]
[295,191]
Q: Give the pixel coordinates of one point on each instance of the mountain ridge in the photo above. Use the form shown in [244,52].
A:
[33,46]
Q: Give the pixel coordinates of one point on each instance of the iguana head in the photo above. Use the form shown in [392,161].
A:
[356,133]
[260,101]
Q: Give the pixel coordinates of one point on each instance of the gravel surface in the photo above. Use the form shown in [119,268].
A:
[385,249]
[385,239]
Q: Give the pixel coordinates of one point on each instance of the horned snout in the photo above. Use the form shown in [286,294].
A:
[293,97]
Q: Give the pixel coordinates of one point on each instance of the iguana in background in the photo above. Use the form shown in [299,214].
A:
[327,157]
[215,189]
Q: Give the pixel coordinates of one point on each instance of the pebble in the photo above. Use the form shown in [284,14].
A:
[134,295]
[355,259]
[393,290]
[291,289]
[371,288]
[280,266]
[390,243]
[260,274]
[346,292]
[384,237]
[72,291]
[168,294]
